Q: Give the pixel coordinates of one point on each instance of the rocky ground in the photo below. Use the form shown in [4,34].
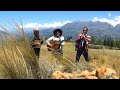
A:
[98,73]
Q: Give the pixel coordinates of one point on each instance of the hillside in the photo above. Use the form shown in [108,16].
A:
[97,29]
[3,32]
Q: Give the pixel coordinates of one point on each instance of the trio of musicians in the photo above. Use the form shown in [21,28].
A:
[56,42]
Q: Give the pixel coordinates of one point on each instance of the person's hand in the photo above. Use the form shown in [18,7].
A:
[38,44]
[88,36]
[44,38]
[58,43]
[82,36]
[51,45]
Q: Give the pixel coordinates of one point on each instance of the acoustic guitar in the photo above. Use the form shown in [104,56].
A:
[38,42]
[55,44]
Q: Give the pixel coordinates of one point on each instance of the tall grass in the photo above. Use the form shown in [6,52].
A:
[97,57]
[107,58]
[18,60]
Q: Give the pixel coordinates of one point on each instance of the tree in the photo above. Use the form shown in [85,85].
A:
[92,40]
[107,44]
[118,44]
[104,42]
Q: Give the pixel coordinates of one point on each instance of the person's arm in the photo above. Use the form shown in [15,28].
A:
[80,36]
[88,39]
[43,39]
[78,39]
[87,42]
[32,38]
[48,40]
[41,42]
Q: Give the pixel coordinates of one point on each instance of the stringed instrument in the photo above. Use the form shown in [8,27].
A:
[38,42]
[55,44]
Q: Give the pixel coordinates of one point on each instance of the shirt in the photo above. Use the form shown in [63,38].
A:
[57,39]
[86,36]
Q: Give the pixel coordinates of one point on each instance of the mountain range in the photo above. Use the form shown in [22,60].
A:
[97,29]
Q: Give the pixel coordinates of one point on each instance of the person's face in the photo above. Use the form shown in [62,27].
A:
[85,30]
[36,32]
[58,34]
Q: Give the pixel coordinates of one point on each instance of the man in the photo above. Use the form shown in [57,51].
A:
[56,42]
[81,45]
[36,42]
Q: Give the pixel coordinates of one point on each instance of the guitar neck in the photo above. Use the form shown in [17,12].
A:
[62,41]
[65,40]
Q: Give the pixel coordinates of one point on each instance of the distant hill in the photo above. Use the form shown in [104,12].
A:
[45,32]
[3,32]
[97,29]
[117,28]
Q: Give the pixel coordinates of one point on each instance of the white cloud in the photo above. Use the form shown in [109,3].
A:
[109,14]
[113,22]
[46,25]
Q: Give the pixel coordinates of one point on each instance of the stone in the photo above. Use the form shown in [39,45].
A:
[100,73]
[93,73]
[91,77]
[85,73]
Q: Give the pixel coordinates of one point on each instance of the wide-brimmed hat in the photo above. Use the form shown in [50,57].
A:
[57,30]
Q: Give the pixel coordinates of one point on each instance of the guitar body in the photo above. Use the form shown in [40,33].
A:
[54,45]
[38,42]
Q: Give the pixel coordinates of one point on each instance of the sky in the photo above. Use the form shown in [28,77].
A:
[48,19]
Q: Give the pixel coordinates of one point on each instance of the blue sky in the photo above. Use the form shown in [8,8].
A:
[45,19]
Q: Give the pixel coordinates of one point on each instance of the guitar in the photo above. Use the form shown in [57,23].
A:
[38,42]
[56,44]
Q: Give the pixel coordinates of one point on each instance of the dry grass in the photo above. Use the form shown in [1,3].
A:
[98,57]
[106,57]
[18,60]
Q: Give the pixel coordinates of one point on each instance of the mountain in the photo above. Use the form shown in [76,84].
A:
[3,32]
[44,32]
[97,29]
[117,28]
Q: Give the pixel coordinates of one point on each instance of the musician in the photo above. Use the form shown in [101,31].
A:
[82,45]
[36,42]
[57,37]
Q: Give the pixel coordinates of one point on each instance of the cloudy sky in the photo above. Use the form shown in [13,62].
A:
[46,19]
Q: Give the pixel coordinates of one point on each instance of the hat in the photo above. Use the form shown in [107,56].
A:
[57,30]
[36,29]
